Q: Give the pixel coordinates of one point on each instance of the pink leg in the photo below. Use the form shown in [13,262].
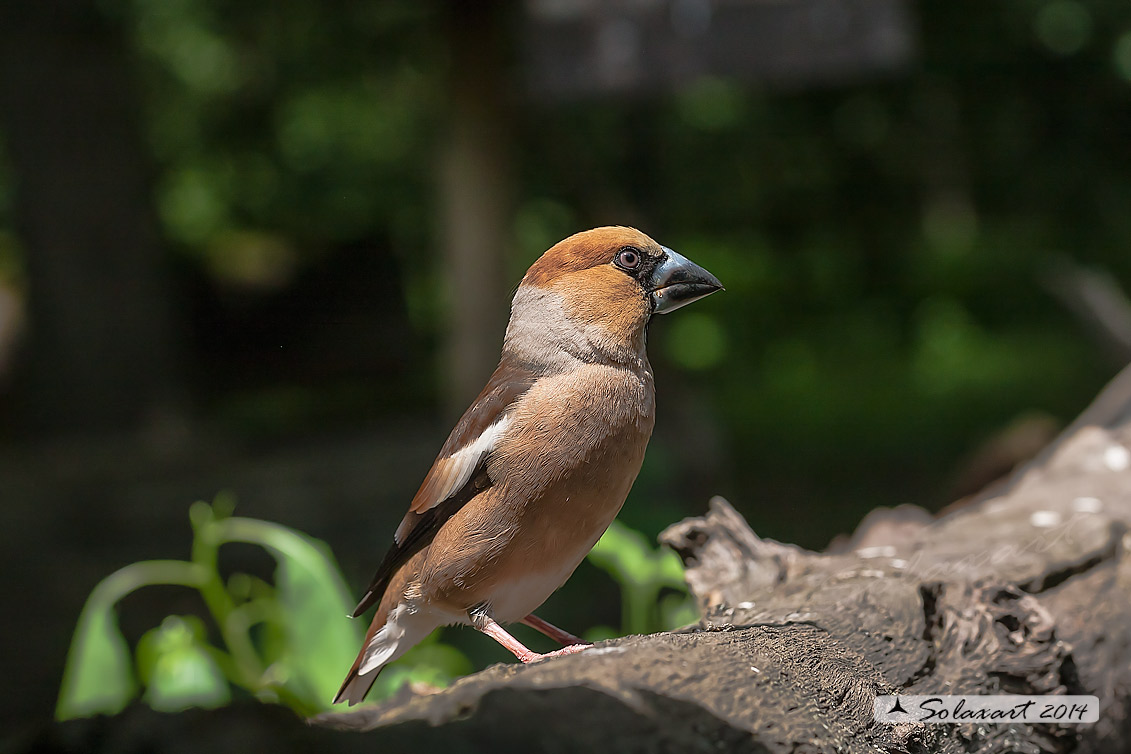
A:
[565,638]
[488,626]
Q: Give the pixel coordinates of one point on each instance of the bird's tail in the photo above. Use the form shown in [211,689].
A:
[391,634]
[355,687]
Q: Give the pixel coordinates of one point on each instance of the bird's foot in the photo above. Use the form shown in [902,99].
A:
[481,621]
[561,636]
[572,649]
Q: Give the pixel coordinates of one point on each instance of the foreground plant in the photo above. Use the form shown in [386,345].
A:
[279,642]
[283,642]
[654,596]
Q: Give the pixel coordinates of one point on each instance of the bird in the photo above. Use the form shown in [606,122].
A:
[541,462]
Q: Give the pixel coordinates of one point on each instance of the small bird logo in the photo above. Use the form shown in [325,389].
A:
[542,461]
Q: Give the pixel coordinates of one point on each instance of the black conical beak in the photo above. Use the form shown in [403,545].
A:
[677,281]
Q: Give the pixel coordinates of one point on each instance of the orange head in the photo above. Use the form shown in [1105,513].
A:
[595,292]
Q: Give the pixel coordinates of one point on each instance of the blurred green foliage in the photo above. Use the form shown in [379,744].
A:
[654,596]
[881,241]
[284,129]
[289,641]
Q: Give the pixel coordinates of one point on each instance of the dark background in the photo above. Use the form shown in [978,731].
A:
[268,247]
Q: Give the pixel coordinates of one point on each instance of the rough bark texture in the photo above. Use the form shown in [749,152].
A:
[1026,592]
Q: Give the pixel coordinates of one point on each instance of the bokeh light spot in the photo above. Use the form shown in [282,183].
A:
[1121,56]
[696,341]
[1063,26]
[950,225]
[712,104]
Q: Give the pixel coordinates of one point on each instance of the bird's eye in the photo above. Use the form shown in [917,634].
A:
[628,258]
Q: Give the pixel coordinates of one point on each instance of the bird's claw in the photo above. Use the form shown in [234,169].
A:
[572,649]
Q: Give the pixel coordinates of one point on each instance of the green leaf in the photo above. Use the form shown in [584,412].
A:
[98,678]
[678,610]
[178,670]
[669,570]
[320,640]
[624,553]
[641,571]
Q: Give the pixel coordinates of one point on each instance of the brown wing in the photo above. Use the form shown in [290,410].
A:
[457,475]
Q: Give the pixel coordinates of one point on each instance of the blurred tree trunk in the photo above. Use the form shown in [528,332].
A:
[476,198]
[100,353]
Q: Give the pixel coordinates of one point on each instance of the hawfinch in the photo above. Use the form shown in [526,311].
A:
[541,463]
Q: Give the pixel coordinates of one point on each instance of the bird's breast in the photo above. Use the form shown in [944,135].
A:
[559,478]
[555,532]
[565,499]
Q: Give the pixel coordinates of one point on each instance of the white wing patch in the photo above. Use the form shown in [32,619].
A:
[452,473]
[459,465]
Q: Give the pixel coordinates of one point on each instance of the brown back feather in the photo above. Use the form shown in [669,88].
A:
[426,516]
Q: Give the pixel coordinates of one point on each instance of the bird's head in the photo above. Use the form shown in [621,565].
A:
[593,294]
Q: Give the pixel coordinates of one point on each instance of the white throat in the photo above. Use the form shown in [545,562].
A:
[542,335]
